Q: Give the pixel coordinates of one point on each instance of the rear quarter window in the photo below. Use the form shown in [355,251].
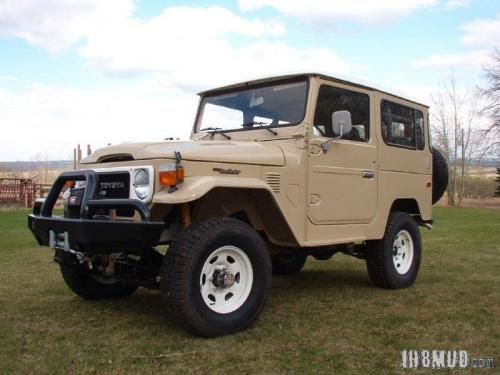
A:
[402,126]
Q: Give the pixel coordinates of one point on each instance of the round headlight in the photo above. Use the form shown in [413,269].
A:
[141,184]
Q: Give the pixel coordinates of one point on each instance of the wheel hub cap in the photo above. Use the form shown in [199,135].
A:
[223,278]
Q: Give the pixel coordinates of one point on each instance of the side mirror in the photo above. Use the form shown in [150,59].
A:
[341,123]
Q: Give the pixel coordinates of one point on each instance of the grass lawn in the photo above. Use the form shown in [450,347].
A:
[326,318]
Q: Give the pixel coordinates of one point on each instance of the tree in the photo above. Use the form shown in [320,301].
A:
[456,133]
[491,94]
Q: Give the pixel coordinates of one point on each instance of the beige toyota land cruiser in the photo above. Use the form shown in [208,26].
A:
[276,170]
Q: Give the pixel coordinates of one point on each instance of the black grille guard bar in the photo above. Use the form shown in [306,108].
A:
[119,203]
[55,190]
[89,205]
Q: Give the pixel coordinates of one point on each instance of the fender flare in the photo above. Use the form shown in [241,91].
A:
[194,188]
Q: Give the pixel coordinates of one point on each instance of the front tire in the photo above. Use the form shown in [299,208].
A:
[91,286]
[215,277]
[393,262]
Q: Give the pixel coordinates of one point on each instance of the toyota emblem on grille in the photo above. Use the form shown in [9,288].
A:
[112,185]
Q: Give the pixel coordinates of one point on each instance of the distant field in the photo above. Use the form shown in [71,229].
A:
[327,318]
[474,202]
[40,176]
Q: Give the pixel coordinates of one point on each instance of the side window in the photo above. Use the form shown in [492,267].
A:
[402,126]
[332,99]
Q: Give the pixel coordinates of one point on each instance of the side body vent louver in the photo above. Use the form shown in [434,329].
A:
[274,181]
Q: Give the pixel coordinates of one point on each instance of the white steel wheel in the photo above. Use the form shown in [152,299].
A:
[226,279]
[402,252]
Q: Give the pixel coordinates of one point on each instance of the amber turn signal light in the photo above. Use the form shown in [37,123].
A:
[171,175]
[168,178]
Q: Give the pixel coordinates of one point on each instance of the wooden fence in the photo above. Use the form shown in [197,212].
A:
[21,191]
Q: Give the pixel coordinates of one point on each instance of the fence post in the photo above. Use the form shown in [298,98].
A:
[22,186]
[79,155]
[31,193]
[21,189]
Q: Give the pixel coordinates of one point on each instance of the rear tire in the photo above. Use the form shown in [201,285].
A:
[91,286]
[288,264]
[393,262]
[216,276]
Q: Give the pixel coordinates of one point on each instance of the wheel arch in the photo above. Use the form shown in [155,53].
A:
[408,205]
[255,206]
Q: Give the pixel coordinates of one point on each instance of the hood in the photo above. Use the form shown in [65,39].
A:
[239,152]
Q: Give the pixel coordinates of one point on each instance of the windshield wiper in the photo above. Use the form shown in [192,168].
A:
[214,130]
[263,125]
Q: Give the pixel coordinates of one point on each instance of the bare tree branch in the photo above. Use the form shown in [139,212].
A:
[491,93]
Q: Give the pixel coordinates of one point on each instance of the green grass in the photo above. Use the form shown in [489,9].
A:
[327,318]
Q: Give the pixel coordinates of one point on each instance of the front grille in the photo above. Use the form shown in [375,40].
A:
[110,185]
[113,185]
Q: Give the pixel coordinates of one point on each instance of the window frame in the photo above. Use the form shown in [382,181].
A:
[414,148]
[270,83]
[429,134]
[415,110]
[350,89]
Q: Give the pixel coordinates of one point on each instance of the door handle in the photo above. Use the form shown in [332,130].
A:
[368,174]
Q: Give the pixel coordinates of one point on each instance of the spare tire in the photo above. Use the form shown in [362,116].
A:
[439,175]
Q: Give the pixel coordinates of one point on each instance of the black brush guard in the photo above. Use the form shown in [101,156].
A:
[89,236]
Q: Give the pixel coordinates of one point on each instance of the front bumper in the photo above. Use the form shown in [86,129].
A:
[86,235]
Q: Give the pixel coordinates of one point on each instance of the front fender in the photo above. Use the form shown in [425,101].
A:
[194,188]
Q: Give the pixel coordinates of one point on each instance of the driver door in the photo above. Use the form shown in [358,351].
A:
[342,170]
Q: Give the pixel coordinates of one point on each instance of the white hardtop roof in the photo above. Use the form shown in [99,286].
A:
[366,86]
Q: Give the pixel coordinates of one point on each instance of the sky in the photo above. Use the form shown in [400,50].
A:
[106,72]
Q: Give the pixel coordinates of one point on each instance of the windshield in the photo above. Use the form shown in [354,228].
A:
[271,105]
